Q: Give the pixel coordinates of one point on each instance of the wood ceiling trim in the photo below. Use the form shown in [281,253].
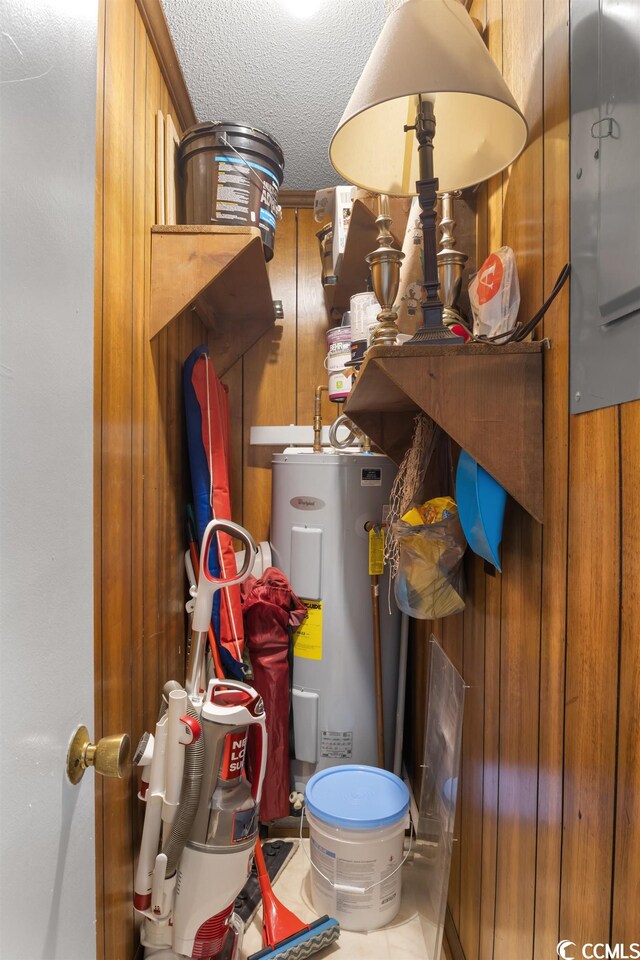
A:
[158,31]
[296,198]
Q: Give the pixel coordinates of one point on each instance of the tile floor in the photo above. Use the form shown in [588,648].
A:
[400,940]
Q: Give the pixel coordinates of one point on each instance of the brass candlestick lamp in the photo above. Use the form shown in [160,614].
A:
[451,262]
[429,62]
[385,273]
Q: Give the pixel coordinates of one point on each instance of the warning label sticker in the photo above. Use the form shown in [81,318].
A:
[376,552]
[307,639]
[336,744]
[233,191]
[371,477]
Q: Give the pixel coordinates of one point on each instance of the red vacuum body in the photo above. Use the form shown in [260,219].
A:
[218,856]
[194,918]
[201,817]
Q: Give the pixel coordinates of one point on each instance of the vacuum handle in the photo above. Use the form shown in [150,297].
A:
[207,583]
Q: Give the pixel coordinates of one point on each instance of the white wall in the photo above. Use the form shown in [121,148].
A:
[47,168]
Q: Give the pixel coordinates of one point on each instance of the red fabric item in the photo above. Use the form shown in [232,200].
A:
[270,608]
[215,439]
[461,331]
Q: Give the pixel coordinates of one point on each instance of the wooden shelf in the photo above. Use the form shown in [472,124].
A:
[361,240]
[488,399]
[220,272]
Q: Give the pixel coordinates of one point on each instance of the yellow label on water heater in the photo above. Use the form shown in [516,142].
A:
[307,639]
[376,552]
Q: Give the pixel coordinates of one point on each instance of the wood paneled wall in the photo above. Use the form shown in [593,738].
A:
[549,800]
[548,821]
[140,459]
[139,466]
[274,382]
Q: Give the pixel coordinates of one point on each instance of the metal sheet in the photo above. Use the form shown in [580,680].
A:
[438,795]
[605,203]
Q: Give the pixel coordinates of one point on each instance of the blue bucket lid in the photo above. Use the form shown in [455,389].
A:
[357,797]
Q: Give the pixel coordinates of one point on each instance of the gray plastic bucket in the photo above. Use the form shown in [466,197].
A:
[230,175]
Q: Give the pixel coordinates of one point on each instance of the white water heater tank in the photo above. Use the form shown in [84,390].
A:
[320,505]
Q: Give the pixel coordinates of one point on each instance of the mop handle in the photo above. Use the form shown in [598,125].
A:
[261,867]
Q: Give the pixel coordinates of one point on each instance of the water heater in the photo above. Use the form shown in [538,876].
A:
[320,505]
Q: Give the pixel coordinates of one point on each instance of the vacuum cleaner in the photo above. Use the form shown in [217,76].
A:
[201,817]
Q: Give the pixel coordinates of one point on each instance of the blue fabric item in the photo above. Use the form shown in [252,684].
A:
[357,797]
[200,485]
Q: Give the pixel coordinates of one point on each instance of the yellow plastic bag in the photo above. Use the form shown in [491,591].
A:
[430,580]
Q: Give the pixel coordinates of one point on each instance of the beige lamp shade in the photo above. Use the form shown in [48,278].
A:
[429,48]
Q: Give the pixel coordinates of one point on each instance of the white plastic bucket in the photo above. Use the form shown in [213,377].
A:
[357,818]
[339,385]
[339,346]
[364,308]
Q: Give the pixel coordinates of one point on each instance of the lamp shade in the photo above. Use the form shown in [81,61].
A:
[429,48]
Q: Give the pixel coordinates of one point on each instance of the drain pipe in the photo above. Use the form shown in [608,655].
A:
[317,419]
[402,688]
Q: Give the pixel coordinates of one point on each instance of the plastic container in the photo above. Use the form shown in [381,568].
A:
[357,818]
[230,175]
[364,309]
[339,347]
[325,239]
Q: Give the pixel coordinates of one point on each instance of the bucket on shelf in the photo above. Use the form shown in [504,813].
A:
[357,818]
[339,347]
[230,175]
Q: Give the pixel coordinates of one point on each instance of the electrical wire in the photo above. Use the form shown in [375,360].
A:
[519,333]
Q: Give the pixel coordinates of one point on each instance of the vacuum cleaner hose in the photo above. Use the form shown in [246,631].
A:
[189,796]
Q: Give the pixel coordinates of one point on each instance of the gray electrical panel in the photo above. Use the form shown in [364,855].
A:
[605,203]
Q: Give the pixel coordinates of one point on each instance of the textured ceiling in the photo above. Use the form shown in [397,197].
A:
[257,62]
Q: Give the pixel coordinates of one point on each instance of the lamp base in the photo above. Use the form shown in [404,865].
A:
[433,335]
[385,334]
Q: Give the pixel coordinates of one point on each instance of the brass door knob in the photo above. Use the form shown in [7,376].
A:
[109,756]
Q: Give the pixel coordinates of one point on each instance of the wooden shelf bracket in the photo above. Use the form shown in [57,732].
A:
[221,273]
[488,399]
